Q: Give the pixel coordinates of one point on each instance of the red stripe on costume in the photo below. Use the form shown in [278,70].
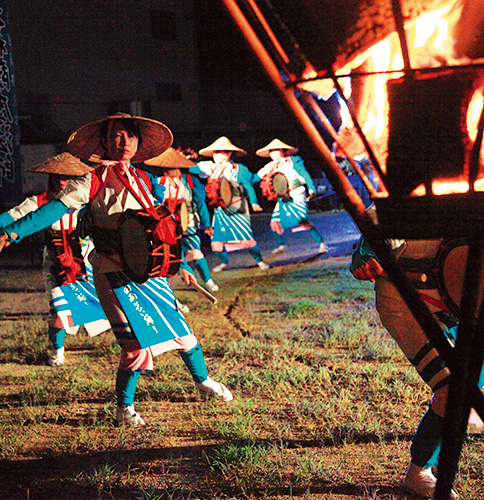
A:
[43,198]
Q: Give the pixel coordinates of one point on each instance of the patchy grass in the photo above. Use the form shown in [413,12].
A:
[325,404]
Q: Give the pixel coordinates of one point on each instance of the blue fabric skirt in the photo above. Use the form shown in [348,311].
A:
[234,227]
[191,240]
[150,308]
[81,300]
[290,214]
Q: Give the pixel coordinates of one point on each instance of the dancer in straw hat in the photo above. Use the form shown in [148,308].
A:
[231,221]
[186,193]
[67,271]
[143,315]
[291,210]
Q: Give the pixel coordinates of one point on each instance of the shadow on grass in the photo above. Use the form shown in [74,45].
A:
[65,477]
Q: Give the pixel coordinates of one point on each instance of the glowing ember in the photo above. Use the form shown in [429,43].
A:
[474,113]
[429,46]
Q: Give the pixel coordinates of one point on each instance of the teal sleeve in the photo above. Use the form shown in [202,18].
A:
[362,254]
[199,196]
[298,163]
[157,189]
[158,192]
[256,178]
[37,220]
[184,265]
[6,219]
[245,177]
[195,170]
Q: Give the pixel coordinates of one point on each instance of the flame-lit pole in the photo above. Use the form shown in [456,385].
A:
[399,25]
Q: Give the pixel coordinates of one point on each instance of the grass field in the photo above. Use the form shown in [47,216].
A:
[325,404]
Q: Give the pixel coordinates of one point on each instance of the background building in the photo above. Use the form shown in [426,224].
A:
[182,62]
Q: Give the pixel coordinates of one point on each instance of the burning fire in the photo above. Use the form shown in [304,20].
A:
[430,44]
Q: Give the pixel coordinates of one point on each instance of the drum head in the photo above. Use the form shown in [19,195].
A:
[135,248]
[280,184]
[231,195]
[226,191]
[183,209]
[452,267]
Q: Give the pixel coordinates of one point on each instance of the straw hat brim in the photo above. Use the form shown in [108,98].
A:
[276,144]
[86,143]
[222,144]
[62,164]
[170,159]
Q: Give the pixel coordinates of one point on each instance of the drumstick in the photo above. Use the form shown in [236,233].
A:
[205,292]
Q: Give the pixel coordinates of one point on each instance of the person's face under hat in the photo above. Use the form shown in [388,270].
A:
[276,154]
[172,173]
[221,156]
[121,145]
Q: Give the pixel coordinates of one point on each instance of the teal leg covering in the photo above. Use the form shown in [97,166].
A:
[126,382]
[313,232]
[427,440]
[195,362]
[202,267]
[223,256]
[255,252]
[57,337]
[279,238]
[452,334]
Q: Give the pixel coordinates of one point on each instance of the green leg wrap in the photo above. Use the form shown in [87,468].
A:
[195,362]
[427,440]
[313,232]
[279,238]
[255,252]
[57,337]
[126,382]
[223,256]
[202,268]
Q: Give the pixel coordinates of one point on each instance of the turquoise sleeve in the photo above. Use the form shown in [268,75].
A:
[362,254]
[184,265]
[37,220]
[199,195]
[6,219]
[158,192]
[245,177]
[195,170]
[298,163]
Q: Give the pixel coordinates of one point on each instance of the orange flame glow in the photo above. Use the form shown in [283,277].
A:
[430,45]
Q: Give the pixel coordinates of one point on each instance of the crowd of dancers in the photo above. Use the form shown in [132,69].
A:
[113,168]
[119,175]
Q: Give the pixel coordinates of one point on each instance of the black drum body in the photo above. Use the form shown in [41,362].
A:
[147,249]
[451,267]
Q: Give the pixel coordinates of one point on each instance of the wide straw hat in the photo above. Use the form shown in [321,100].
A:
[62,164]
[222,144]
[171,158]
[276,144]
[86,143]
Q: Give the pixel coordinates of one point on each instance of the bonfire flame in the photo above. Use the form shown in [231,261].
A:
[430,45]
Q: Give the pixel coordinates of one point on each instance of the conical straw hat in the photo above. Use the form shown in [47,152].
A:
[62,164]
[171,158]
[86,143]
[276,144]
[222,144]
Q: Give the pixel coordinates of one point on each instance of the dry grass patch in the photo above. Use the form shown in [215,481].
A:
[325,404]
